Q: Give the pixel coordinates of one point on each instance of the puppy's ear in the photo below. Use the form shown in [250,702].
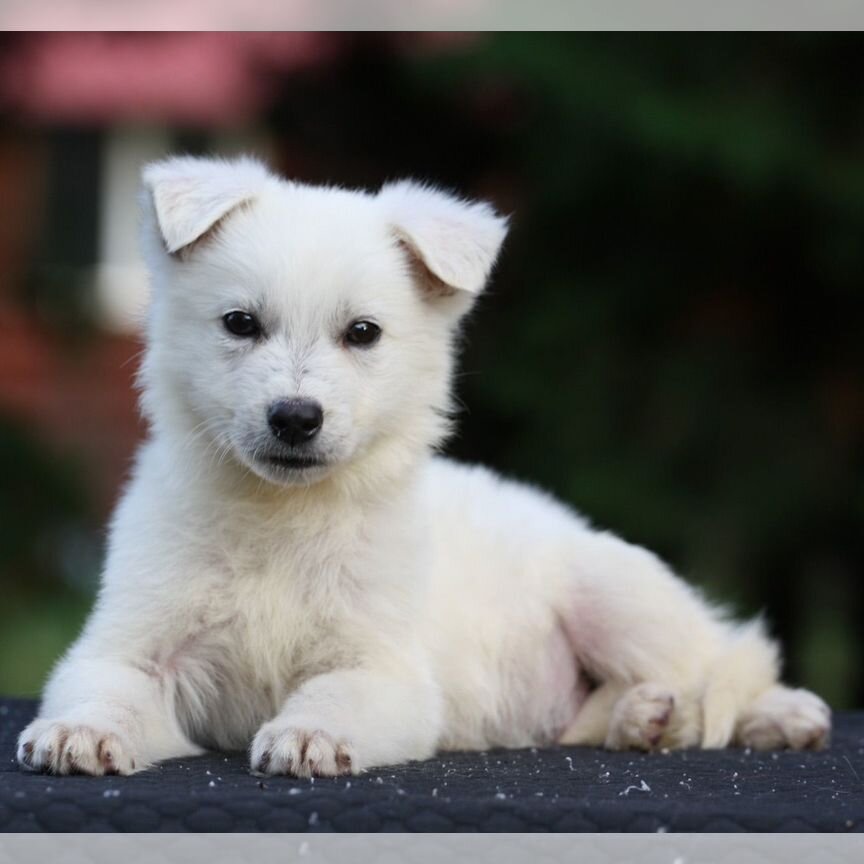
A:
[452,243]
[190,195]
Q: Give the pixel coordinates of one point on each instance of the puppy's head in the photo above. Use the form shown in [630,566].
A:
[303,330]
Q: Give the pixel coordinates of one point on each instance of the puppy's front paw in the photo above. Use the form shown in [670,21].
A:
[783,717]
[281,748]
[73,748]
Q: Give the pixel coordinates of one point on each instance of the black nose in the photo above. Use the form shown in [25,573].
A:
[295,421]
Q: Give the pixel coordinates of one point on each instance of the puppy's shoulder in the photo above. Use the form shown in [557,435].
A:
[461,489]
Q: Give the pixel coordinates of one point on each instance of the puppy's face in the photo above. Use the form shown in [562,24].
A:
[298,329]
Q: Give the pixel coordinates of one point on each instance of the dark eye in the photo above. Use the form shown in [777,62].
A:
[362,334]
[241,324]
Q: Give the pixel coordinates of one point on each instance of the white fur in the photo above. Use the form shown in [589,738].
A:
[391,602]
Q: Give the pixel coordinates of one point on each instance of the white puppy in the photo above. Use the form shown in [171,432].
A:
[292,567]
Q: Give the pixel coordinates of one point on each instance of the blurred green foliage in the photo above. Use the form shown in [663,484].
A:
[673,339]
[676,345]
[47,566]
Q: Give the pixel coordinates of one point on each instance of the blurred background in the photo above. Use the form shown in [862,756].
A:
[673,342]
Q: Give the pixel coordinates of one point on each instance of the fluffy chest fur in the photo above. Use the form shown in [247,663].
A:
[242,601]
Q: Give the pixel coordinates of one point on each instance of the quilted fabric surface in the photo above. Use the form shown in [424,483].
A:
[558,789]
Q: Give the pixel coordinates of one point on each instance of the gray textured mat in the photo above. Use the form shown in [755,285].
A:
[561,789]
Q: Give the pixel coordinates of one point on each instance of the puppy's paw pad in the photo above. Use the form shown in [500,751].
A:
[786,718]
[642,718]
[73,748]
[298,752]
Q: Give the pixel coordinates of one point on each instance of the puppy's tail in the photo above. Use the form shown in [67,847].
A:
[749,666]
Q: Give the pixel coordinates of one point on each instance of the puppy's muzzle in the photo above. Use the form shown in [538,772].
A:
[295,421]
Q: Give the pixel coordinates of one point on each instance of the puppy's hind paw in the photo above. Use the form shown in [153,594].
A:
[72,748]
[651,716]
[640,718]
[785,718]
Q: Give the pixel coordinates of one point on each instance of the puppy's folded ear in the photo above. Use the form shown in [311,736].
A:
[190,195]
[452,243]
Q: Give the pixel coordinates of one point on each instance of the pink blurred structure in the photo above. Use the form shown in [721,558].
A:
[295,15]
[206,79]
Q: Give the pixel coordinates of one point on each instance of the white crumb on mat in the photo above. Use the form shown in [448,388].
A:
[642,787]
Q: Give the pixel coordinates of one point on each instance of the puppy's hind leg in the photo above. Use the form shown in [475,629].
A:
[747,666]
[651,640]
[591,724]
[647,716]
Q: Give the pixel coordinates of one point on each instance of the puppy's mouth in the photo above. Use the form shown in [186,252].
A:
[295,463]
[286,465]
